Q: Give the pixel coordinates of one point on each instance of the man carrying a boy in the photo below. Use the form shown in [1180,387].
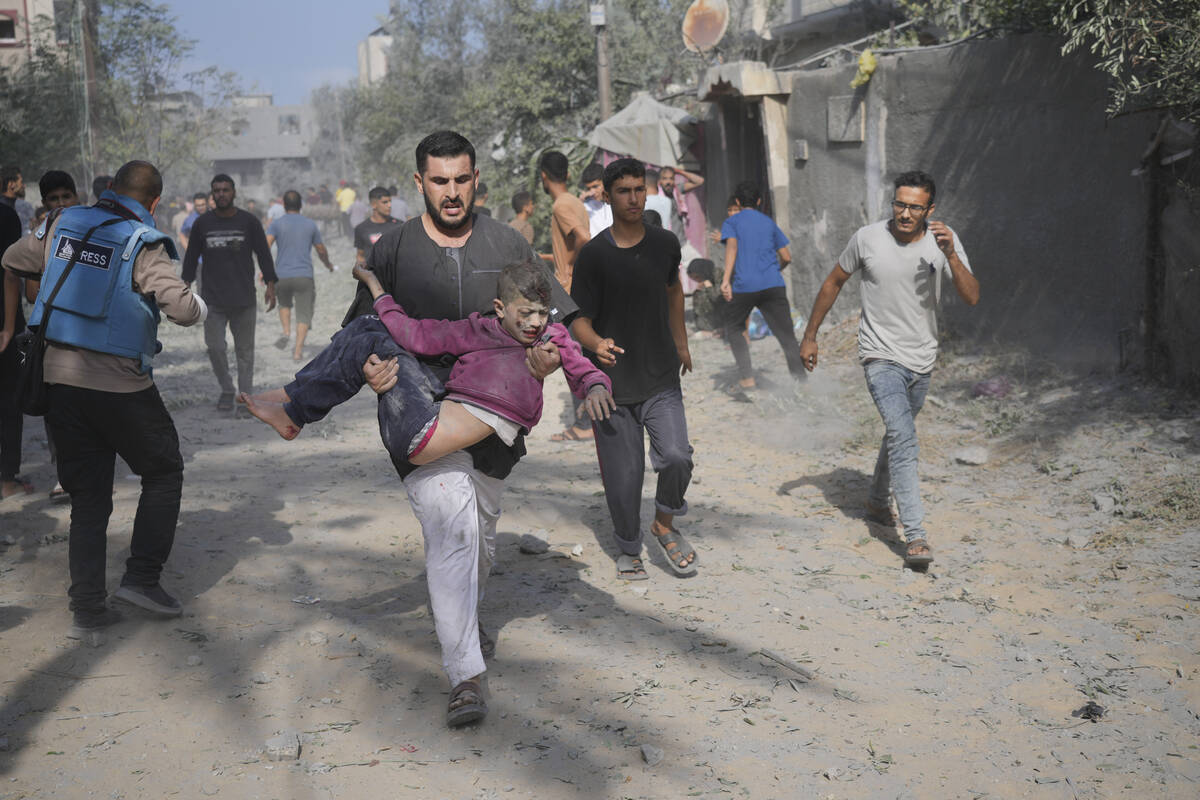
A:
[631,318]
[444,265]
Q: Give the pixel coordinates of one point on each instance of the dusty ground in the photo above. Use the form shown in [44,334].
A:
[306,611]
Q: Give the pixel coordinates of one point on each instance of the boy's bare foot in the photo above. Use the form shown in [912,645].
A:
[268,407]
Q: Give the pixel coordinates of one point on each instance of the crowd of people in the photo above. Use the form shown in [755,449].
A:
[456,323]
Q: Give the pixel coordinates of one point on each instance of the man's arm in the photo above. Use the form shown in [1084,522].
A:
[266,263]
[323,254]
[154,277]
[966,284]
[12,298]
[785,257]
[830,290]
[191,256]
[606,350]
[730,260]
[690,179]
[678,329]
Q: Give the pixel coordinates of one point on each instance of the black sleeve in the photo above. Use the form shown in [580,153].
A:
[585,289]
[191,258]
[360,242]
[381,259]
[258,241]
[674,254]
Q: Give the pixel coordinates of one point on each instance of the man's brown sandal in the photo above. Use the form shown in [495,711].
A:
[918,553]
[466,704]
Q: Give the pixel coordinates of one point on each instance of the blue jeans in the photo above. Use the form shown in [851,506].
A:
[898,393]
[335,375]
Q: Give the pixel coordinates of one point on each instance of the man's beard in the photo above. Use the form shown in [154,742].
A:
[450,224]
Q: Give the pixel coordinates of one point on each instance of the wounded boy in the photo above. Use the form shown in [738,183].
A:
[489,389]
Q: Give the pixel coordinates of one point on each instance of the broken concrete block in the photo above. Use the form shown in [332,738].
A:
[972,456]
[284,747]
[651,754]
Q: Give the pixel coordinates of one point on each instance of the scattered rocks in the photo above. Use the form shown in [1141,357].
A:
[316,638]
[1079,540]
[1104,503]
[261,678]
[651,755]
[284,747]
[194,661]
[975,456]
[998,386]
[306,600]
[532,545]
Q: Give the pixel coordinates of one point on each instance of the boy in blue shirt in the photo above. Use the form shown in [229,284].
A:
[756,253]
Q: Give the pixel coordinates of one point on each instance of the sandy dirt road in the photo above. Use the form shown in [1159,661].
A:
[1067,572]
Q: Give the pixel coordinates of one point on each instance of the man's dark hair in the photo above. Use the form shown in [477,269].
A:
[917,179]
[378,193]
[200,196]
[623,168]
[524,279]
[592,172]
[520,200]
[702,269]
[221,177]
[292,200]
[555,165]
[393,191]
[100,183]
[9,174]
[652,176]
[56,179]
[443,144]
[140,180]
[747,194]
[481,190]
[732,201]
[652,217]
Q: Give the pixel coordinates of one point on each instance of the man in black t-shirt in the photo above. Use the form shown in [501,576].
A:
[226,238]
[367,232]
[626,283]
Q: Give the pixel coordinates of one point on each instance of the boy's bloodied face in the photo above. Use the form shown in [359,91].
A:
[522,318]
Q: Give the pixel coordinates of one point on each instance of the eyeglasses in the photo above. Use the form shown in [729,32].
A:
[896,204]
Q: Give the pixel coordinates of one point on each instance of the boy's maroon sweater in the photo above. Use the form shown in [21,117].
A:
[490,371]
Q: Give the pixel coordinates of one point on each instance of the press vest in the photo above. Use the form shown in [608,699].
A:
[97,307]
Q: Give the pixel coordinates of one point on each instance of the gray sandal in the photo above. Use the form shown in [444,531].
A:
[630,568]
[676,549]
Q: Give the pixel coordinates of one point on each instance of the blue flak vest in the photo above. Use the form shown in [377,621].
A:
[97,307]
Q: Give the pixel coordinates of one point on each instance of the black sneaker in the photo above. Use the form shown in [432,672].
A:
[225,402]
[152,598]
[89,623]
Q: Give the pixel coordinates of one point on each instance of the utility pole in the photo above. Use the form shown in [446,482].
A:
[598,14]
[88,19]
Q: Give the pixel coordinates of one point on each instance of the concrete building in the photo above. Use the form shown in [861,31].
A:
[26,25]
[372,57]
[267,145]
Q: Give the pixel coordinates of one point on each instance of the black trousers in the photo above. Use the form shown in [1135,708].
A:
[91,428]
[11,420]
[773,304]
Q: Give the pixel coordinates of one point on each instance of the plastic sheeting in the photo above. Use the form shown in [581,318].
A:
[649,131]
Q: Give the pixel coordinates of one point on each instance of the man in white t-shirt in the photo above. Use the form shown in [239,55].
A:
[659,202]
[902,262]
[599,212]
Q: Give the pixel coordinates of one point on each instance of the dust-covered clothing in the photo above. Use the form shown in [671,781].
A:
[901,286]
[524,227]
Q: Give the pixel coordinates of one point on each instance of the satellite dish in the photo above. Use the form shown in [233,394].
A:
[704,24]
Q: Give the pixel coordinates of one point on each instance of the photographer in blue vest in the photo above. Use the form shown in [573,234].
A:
[106,273]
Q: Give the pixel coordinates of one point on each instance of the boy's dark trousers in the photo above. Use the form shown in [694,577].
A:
[620,449]
[335,376]
[773,304]
[91,428]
